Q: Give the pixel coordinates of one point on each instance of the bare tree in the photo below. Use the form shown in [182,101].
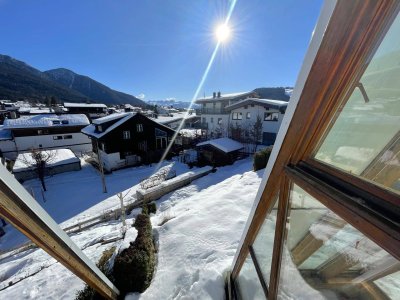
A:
[37,160]
[256,132]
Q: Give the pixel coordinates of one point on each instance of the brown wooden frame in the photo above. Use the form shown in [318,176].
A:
[354,32]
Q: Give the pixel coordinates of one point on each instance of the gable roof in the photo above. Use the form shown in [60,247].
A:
[274,104]
[111,117]
[224,144]
[91,129]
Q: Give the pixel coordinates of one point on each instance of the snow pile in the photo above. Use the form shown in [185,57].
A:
[224,144]
[58,157]
[198,229]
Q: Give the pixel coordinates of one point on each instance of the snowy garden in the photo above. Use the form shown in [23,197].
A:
[196,229]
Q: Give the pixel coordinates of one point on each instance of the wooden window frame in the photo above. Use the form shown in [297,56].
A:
[354,32]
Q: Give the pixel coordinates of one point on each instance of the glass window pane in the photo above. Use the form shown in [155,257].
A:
[324,257]
[247,283]
[365,138]
[264,243]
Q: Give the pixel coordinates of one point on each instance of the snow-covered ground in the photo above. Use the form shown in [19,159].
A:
[198,228]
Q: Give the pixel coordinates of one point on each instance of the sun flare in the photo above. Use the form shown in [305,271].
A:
[223,33]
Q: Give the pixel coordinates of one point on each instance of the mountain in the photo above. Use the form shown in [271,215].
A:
[91,88]
[173,103]
[274,93]
[19,81]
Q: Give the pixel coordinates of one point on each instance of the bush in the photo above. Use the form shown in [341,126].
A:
[260,158]
[89,293]
[134,266]
[151,208]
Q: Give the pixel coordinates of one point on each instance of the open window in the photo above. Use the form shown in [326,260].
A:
[336,168]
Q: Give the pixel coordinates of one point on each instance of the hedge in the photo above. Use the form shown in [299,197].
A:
[261,158]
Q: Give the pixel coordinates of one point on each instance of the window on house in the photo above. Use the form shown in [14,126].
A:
[56,122]
[212,120]
[204,120]
[248,115]
[64,122]
[271,116]
[126,134]
[219,121]
[237,116]
[139,127]
[245,107]
[42,131]
[68,137]
[57,137]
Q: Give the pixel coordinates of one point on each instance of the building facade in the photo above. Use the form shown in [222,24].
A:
[44,132]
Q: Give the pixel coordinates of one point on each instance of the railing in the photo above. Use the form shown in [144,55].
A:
[213,111]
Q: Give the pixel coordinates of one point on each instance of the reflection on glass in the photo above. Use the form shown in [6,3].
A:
[248,284]
[264,243]
[365,138]
[324,257]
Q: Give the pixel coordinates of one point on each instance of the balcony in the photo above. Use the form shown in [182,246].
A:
[213,111]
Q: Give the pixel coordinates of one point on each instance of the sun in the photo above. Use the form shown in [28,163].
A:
[223,33]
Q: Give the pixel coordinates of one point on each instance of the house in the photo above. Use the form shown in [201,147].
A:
[218,152]
[174,120]
[91,110]
[127,139]
[245,113]
[62,160]
[325,220]
[214,116]
[43,132]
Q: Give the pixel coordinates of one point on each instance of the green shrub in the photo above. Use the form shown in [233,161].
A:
[260,158]
[151,208]
[89,293]
[134,266]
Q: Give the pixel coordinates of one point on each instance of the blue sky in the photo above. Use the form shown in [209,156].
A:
[161,48]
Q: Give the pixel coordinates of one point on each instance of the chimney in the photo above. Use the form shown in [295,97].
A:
[214,94]
[219,95]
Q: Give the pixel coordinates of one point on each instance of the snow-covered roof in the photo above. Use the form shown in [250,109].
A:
[5,134]
[174,118]
[91,129]
[110,118]
[46,120]
[223,97]
[25,161]
[275,104]
[68,104]
[224,144]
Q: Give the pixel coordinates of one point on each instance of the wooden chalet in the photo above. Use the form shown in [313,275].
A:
[127,139]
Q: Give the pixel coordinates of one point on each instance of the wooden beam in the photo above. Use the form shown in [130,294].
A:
[24,213]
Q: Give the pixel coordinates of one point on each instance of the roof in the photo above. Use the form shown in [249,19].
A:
[91,129]
[224,97]
[275,104]
[176,117]
[25,161]
[111,117]
[46,120]
[68,104]
[224,144]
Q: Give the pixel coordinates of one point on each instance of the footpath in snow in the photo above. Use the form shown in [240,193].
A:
[198,228]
